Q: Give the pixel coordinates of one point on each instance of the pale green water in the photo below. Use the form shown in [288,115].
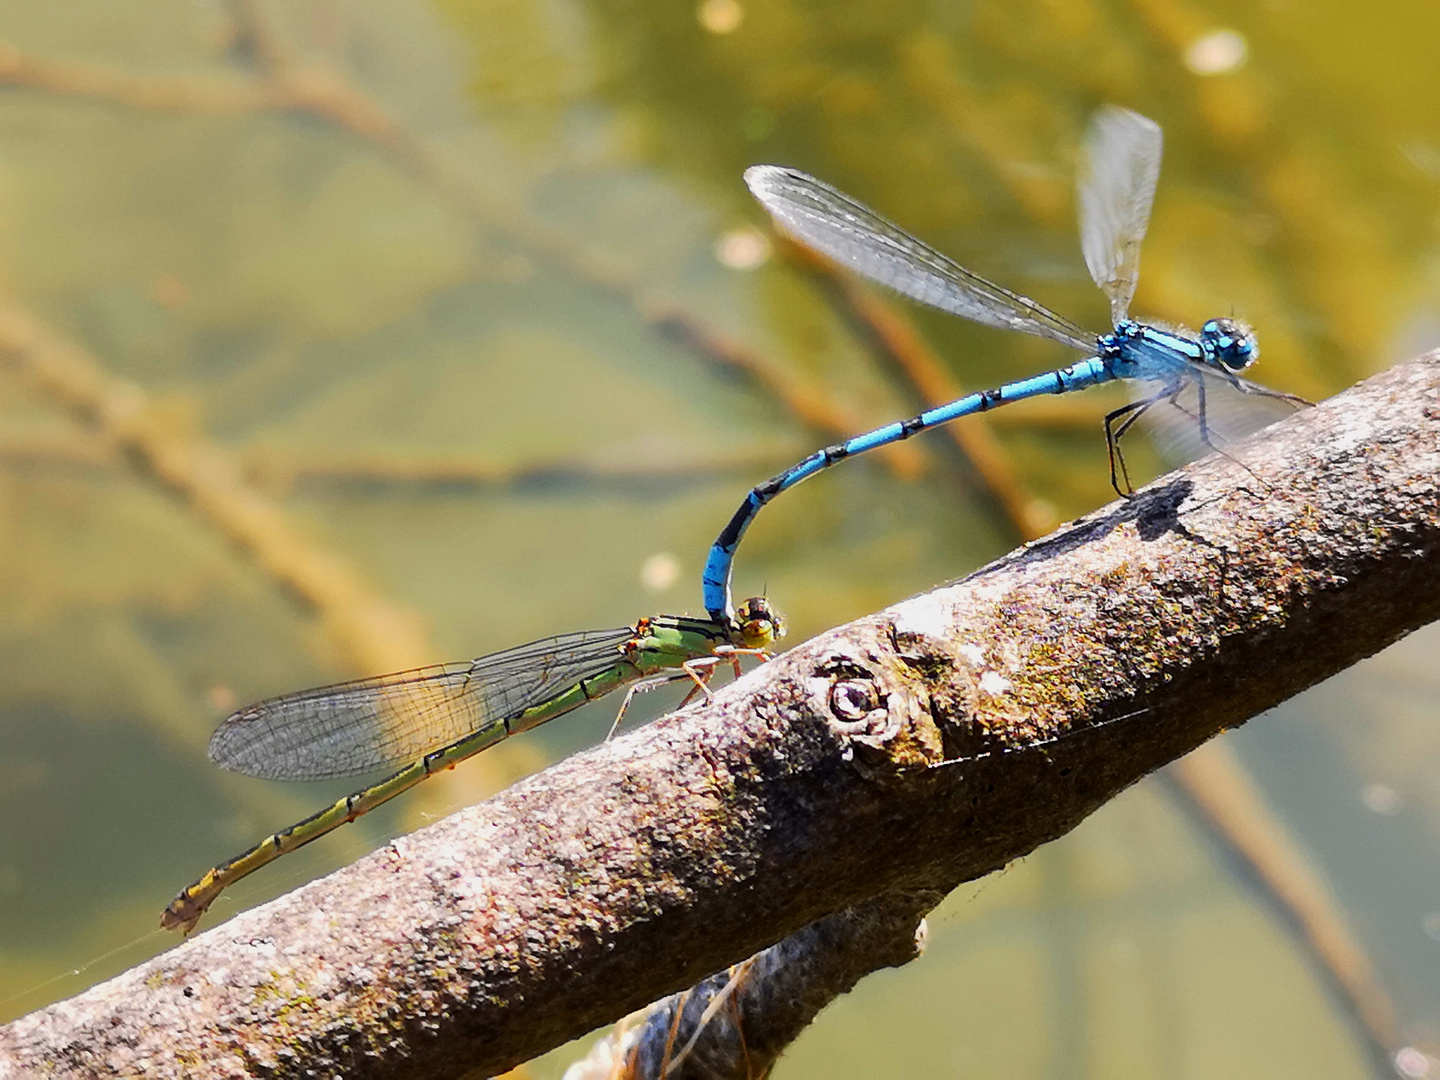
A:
[307,297]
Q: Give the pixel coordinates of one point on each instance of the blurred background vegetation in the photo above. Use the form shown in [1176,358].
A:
[337,337]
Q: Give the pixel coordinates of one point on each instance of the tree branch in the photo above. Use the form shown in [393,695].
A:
[1040,686]
[738,1022]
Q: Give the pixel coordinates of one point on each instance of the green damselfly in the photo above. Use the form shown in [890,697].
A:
[435,717]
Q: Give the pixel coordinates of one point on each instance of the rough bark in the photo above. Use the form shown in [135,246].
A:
[911,750]
[738,1022]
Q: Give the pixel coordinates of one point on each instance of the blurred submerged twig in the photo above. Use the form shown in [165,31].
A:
[287,81]
[1220,794]
[645,479]
[281,473]
[377,634]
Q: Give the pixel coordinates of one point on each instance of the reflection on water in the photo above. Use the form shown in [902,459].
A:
[477,340]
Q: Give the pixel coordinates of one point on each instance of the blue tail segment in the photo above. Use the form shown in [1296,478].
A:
[1119,168]
[718,565]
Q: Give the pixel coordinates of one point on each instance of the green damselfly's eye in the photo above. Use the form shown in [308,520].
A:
[758,624]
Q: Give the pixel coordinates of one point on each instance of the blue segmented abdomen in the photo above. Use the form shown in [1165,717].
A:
[716,578]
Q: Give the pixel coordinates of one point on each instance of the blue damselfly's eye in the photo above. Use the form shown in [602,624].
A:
[1231,343]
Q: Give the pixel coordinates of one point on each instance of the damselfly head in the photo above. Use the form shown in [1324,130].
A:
[1231,343]
[757,624]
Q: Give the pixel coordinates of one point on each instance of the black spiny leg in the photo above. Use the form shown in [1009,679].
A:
[1130,413]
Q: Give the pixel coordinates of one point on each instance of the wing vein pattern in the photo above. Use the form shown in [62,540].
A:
[385,721]
[855,236]
[1119,170]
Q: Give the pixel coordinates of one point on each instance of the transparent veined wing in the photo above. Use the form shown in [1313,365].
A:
[1119,168]
[382,722]
[1233,409]
[855,236]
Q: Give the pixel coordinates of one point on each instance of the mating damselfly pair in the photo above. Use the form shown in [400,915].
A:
[433,718]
